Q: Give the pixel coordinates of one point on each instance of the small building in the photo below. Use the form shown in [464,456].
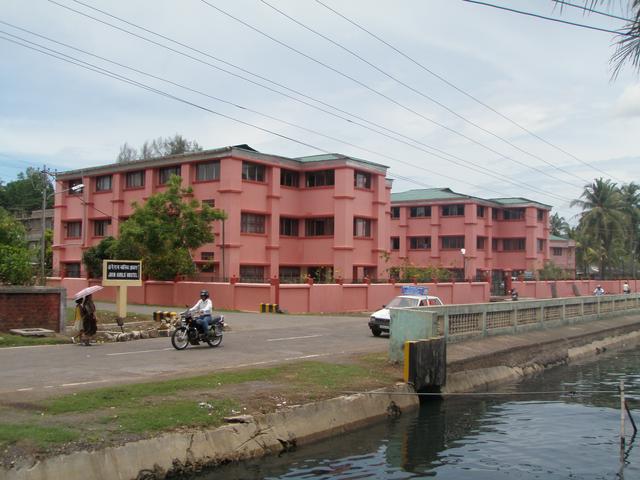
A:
[33,225]
[563,254]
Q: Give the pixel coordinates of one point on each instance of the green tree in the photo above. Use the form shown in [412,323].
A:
[93,257]
[630,194]
[25,193]
[163,231]
[628,43]
[15,257]
[602,220]
[159,147]
[558,225]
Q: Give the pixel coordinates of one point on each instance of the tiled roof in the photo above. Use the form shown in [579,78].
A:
[427,194]
[517,201]
[335,156]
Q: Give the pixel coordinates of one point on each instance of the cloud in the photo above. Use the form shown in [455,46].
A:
[628,104]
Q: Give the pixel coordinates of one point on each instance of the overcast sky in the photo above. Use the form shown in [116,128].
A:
[549,80]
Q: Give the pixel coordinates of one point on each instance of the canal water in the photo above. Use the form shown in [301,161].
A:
[531,433]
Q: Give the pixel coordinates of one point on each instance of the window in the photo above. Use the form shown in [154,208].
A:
[321,178]
[74,229]
[73,183]
[494,213]
[419,212]
[289,178]
[494,244]
[100,227]
[513,214]
[253,172]
[207,266]
[556,251]
[419,243]
[362,180]
[481,243]
[206,256]
[209,202]
[318,227]
[290,274]
[103,183]
[540,215]
[361,227]
[480,211]
[207,171]
[452,210]
[395,243]
[540,244]
[252,223]
[164,174]
[72,270]
[289,227]
[135,179]
[513,244]
[449,243]
[395,212]
[251,273]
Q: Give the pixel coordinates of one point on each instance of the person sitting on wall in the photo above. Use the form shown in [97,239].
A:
[626,289]
[514,295]
[598,291]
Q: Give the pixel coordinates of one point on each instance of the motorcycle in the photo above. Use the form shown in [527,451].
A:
[187,332]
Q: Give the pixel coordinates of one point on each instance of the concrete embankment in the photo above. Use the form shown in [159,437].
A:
[472,366]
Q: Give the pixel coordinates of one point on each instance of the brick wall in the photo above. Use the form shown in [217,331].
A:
[32,307]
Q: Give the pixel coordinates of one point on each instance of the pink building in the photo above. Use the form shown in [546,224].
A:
[328,216]
[563,253]
[324,215]
[470,236]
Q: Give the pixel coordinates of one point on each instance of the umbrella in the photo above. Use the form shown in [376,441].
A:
[87,291]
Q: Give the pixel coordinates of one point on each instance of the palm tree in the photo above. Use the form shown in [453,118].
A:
[602,219]
[628,44]
[630,194]
[558,225]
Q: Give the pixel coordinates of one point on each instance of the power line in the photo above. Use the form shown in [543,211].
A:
[381,94]
[551,19]
[420,92]
[439,153]
[459,89]
[92,67]
[591,10]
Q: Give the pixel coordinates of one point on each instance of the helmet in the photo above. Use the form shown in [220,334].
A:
[204,293]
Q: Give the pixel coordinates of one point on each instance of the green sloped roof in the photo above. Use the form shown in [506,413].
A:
[335,156]
[427,194]
[518,201]
[557,238]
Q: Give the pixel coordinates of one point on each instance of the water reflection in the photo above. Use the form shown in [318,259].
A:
[529,436]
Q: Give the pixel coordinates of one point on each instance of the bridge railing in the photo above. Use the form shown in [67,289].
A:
[461,322]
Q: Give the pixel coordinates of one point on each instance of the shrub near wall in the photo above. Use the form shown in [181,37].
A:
[32,307]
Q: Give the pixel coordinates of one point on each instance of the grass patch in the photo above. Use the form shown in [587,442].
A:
[128,394]
[174,414]
[10,340]
[41,436]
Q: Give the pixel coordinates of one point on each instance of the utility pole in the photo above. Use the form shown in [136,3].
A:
[45,180]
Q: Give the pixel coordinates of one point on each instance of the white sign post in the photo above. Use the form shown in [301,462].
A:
[122,274]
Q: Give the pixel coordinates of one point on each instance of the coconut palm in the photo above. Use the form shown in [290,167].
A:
[628,42]
[602,219]
[558,225]
[630,194]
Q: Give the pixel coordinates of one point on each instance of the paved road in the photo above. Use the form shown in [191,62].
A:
[254,340]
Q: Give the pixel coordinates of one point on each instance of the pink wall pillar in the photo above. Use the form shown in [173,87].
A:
[343,221]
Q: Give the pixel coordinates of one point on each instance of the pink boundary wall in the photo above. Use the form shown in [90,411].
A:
[323,298]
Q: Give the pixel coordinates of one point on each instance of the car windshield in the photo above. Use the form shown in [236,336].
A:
[402,302]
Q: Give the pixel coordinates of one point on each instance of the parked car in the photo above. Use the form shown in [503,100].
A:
[379,321]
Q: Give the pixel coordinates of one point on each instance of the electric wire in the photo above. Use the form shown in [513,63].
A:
[459,89]
[385,96]
[420,92]
[591,10]
[543,17]
[93,67]
[479,169]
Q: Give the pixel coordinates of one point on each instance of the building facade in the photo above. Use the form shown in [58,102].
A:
[327,216]
[324,215]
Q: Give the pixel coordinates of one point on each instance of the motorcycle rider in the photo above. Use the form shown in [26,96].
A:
[203,309]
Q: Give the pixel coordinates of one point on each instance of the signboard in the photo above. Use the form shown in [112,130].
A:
[122,273]
[413,290]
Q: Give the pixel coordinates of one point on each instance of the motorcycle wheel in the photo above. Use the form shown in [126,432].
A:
[214,341]
[180,338]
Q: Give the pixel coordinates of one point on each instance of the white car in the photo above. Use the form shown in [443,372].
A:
[379,321]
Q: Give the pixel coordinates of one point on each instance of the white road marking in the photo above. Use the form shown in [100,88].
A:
[292,338]
[82,383]
[24,389]
[139,351]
